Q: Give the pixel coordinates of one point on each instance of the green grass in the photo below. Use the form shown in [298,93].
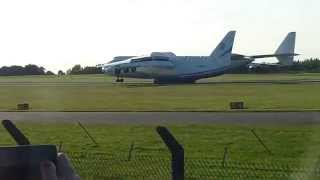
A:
[98,93]
[108,79]
[287,143]
[293,146]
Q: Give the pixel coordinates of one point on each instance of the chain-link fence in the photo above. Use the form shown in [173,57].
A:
[106,166]
[204,168]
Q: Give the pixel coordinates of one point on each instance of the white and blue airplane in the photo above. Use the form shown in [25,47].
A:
[166,67]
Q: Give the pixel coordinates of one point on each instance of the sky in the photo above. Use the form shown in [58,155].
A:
[58,34]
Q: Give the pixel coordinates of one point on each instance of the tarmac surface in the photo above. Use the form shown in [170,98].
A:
[165,117]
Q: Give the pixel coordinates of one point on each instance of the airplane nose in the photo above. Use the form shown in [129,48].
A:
[112,70]
[107,69]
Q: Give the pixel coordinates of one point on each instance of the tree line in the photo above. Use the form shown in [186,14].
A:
[310,65]
[32,69]
[77,69]
[29,69]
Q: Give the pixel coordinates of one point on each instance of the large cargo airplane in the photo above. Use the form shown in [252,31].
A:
[166,67]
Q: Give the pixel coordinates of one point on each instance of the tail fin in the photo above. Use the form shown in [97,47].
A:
[224,49]
[285,52]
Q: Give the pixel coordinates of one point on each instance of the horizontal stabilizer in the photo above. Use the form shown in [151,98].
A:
[285,53]
[274,55]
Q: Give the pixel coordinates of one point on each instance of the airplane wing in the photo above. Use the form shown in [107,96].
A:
[121,58]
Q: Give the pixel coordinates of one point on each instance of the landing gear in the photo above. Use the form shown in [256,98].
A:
[174,81]
[119,79]
[117,72]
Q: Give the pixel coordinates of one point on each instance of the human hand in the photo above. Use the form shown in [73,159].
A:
[63,171]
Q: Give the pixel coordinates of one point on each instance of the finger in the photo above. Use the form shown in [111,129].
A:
[48,171]
[64,166]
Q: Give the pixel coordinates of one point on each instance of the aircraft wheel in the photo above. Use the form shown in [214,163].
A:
[119,80]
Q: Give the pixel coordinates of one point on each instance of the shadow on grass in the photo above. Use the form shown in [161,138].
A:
[140,85]
[200,83]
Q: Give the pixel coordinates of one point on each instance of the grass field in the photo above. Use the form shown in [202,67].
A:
[108,79]
[287,143]
[99,93]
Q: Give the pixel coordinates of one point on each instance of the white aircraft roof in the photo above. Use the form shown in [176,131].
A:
[166,54]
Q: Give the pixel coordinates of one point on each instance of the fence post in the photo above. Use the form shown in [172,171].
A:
[225,156]
[88,134]
[17,135]
[261,142]
[177,153]
[60,146]
[130,151]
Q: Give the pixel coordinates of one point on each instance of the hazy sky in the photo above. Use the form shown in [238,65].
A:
[60,33]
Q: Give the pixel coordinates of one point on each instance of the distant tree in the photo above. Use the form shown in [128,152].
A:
[29,69]
[92,70]
[32,69]
[68,71]
[309,65]
[76,69]
[61,73]
[12,71]
[49,73]
[312,65]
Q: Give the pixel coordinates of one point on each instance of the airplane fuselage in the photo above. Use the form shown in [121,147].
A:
[171,68]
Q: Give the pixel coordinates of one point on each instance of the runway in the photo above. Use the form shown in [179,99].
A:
[165,117]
